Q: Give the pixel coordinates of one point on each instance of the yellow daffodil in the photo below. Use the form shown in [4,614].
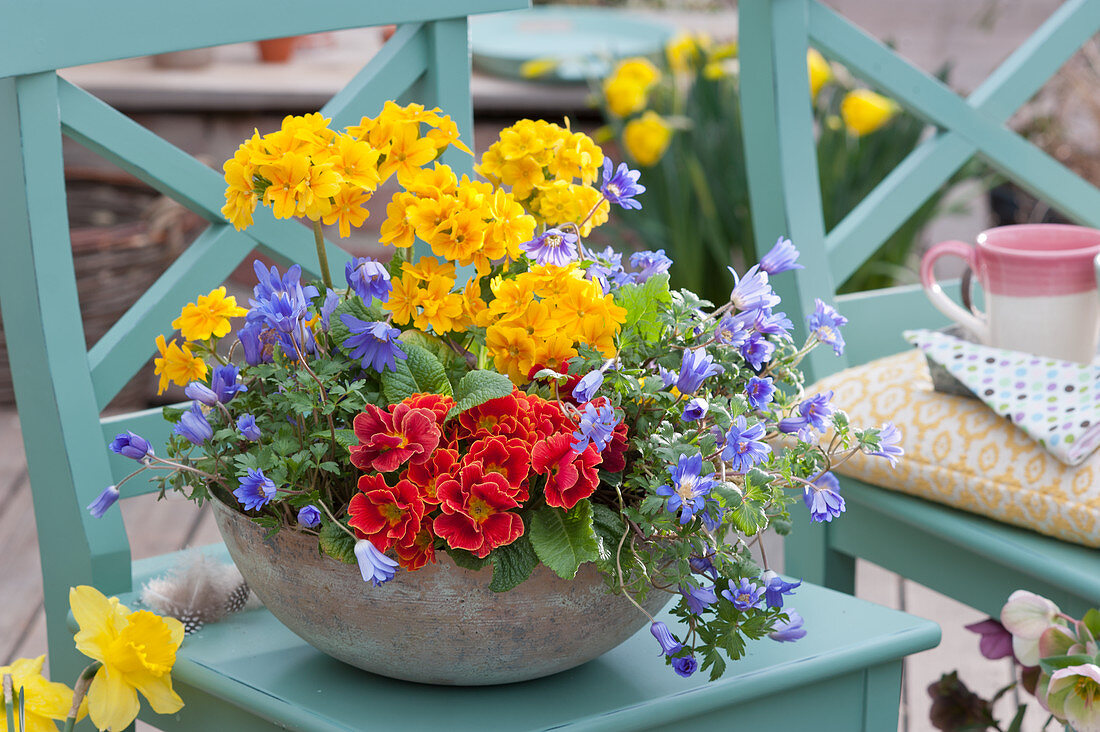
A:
[686,51]
[820,71]
[646,138]
[537,67]
[864,111]
[137,650]
[626,91]
[208,315]
[177,364]
[45,700]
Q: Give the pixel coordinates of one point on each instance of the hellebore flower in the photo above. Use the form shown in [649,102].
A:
[587,387]
[246,427]
[825,323]
[1027,616]
[744,449]
[1074,695]
[309,516]
[689,489]
[695,366]
[130,445]
[669,644]
[193,425]
[782,257]
[996,641]
[621,186]
[375,566]
[374,344]
[789,630]
[824,500]
[103,501]
[759,392]
[744,595]
[554,246]
[369,279]
[256,489]
[775,587]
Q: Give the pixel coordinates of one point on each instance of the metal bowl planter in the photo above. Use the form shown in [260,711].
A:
[439,625]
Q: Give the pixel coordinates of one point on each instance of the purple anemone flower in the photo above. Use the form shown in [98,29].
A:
[775,587]
[782,257]
[825,323]
[702,565]
[789,630]
[664,636]
[757,350]
[193,425]
[554,246]
[744,595]
[813,414]
[621,186]
[328,307]
[597,423]
[369,279]
[695,366]
[759,391]
[254,348]
[752,291]
[608,270]
[770,323]
[889,437]
[649,263]
[375,566]
[689,488]
[587,387]
[246,427]
[224,383]
[685,665]
[107,498]
[744,448]
[131,445]
[373,344]
[823,499]
[696,409]
[255,490]
[698,598]
[731,331]
[309,516]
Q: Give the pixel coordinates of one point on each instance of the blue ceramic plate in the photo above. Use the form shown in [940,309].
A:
[579,42]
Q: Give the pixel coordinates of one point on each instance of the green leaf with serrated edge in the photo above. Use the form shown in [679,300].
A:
[434,345]
[478,387]
[419,373]
[466,560]
[352,306]
[564,540]
[608,526]
[512,564]
[643,302]
[337,543]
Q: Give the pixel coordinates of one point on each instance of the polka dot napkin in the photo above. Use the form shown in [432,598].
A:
[1056,403]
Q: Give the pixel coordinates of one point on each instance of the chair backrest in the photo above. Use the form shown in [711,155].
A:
[782,164]
[61,386]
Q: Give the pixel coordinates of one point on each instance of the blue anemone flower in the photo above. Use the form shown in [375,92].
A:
[889,439]
[685,665]
[789,630]
[689,489]
[649,264]
[246,427]
[131,445]
[775,587]
[255,490]
[103,501]
[695,366]
[597,424]
[587,387]
[375,566]
[309,516]
[664,636]
[369,279]
[553,246]
[782,257]
[621,186]
[825,323]
[193,425]
[698,598]
[696,409]
[752,290]
[375,344]
[744,448]
[813,414]
[823,499]
[757,350]
[759,391]
[744,595]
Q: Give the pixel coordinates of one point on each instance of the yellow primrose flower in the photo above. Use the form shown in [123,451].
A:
[177,364]
[288,176]
[356,163]
[137,650]
[820,71]
[45,700]
[554,352]
[864,111]
[639,70]
[513,351]
[240,197]
[407,154]
[208,315]
[348,210]
[396,229]
[439,307]
[646,138]
[404,299]
[428,268]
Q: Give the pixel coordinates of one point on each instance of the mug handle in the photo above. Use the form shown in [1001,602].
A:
[970,319]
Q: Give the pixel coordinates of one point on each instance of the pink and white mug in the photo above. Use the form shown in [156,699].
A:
[1040,289]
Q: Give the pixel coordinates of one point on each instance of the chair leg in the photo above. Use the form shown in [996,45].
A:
[808,556]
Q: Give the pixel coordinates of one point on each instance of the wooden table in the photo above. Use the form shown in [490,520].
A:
[844,675]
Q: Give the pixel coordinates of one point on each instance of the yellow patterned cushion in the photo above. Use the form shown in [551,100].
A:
[958,452]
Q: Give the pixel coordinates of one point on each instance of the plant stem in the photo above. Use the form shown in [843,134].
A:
[79,692]
[322,256]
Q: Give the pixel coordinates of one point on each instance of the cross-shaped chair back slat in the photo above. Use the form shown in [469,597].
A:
[60,385]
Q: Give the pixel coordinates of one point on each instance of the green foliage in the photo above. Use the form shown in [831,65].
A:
[643,303]
[420,373]
[337,543]
[563,540]
[478,387]
[512,564]
[466,560]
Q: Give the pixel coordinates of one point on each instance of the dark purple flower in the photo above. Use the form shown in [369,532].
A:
[789,630]
[695,366]
[823,500]
[813,414]
[375,566]
[752,291]
[760,391]
[825,323]
[374,344]
[996,641]
[685,665]
[669,644]
[193,425]
[224,383]
[744,449]
[696,409]
[649,264]
[782,257]
[889,438]
[622,186]
[246,426]
[689,488]
[103,501]
[587,387]
[597,423]
[702,565]
[369,279]
[698,598]
[131,445]
[757,350]
[744,595]
[256,489]
[554,246]
[309,516]
[254,350]
[775,587]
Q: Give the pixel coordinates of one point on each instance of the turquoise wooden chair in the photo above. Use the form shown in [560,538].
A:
[61,385]
[977,561]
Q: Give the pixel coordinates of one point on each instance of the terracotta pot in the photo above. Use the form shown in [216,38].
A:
[277,50]
[438,625]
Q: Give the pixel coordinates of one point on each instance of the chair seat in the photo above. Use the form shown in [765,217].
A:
[959,453]
[251,661]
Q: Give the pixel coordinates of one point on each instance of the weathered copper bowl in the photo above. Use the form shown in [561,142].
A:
[439,625]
